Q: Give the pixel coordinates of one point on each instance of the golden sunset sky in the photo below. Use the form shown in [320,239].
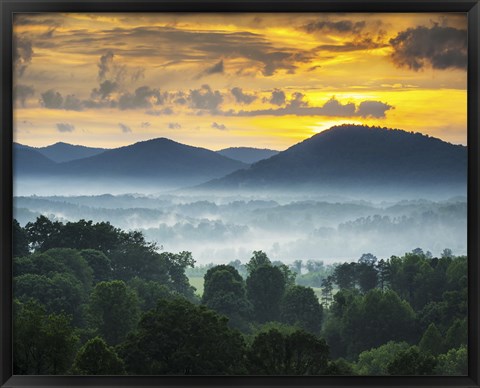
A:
[223,80]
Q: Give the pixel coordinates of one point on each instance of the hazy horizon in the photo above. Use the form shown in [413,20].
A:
[215,150]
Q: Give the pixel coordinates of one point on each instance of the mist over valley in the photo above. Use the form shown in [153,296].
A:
[344,192]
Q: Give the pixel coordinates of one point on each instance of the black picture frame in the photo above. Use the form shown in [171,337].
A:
[9,7]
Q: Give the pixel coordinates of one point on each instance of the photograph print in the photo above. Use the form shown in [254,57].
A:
[240,194]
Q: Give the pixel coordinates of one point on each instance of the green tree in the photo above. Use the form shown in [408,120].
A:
[298,353]
[259,259]
[74,263]
[129,253]
[457,274]
[149,292]
[327,288]
[20,240]
[60,293]
[224,291]
[432,341]
[114,310]
[447,252]
[37,264]
[97,358]
[43,344]
[176,264]
[265,289]
[287,273]
[340,367]
[29,356]
[410,279]
[383,269]
[453,363]
[300,307]
[457,334]
[99,263]
[344,275]
[374,362]
[368,258]
[180,338]
[366,272]
[135,258]
[42,233]
[412,362]
[361,322]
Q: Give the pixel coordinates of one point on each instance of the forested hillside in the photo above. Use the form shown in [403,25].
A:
[94,299]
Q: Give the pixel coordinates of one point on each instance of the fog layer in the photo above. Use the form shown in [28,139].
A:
[220,228]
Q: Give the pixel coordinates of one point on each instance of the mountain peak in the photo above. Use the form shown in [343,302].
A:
[357,156]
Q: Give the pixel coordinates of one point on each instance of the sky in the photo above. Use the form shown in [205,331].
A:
[226,80]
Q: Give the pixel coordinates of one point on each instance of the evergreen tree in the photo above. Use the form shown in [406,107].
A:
[432,341]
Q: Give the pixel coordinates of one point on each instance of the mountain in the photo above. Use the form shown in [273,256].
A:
[157,161]
[247,155]
[28,161]
[352,156]
[64,152]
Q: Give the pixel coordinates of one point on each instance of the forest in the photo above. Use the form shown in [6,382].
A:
[93,299]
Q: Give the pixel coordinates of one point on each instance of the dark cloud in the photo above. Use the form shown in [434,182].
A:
[241,97]
[51,99]
[22,54]
[297,106]
[21,93]
[99,104]
[72,103]
[181,45]
[439,47]
[333,107]
[375,109]
[221,127]
[181,101]
[205,98]
[364,43]
[124,128]
[160,112]
[178,97]
[217,68]
[144,97]
[341,26]
[297,100]
[145,124]
[104,65]
[106,88]
[65,127]
[278,97]
[174,126]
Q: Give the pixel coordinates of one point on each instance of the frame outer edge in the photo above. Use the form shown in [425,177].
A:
[5,196]
[6,192]
[473,102]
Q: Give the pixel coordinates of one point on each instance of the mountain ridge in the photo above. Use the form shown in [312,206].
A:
[342,157]
[354,155]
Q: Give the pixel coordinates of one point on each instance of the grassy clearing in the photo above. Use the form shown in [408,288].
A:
[318,292]
[197,282]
